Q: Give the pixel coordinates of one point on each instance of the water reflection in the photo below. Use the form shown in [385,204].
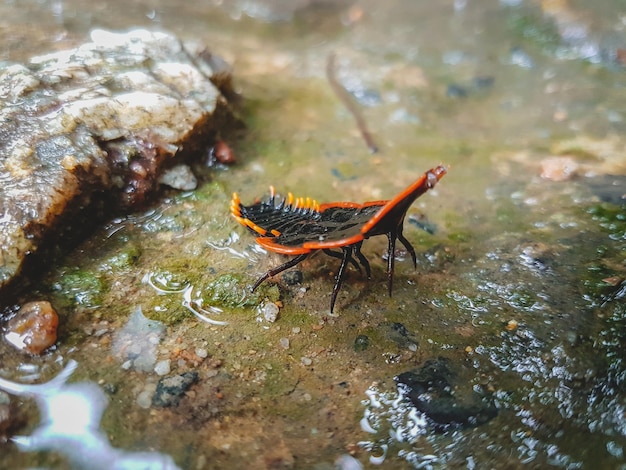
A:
[70,425]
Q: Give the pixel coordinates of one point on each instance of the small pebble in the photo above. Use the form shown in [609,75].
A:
[347,462]
[292,278]
[270,312]
[201,352]
[307,361]
[34,328]
[222,153]
[144,399]
[361,343]
[512,325]
[163,367]
[295,330]
[179,177]
[284,343]
[560,168]
[170,390]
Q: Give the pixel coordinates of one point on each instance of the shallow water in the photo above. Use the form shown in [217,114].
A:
[520,284]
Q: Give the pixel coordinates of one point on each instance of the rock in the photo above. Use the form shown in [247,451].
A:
[170,390]
[105,118]
[270,311]
[292,278]
[136,343]
[608,188]
[433,390]
[561,168]
[399,334]
[179,177]
[361,343]
[34,328]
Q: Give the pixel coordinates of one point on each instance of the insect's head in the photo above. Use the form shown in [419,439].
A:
[435,175]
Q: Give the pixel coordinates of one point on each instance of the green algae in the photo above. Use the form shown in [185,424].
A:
[533,28]
[123,260]
[167,309]
[231,291]
[612,219]
[81,287]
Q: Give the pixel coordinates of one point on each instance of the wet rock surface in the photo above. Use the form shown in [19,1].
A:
[433,389]
[521,285]
[106,117]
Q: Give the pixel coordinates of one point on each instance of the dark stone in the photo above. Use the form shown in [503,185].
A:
[433,390]
[456,91]
[399,334]
[361,343]
[292,278]
[170,389]
[609,188]
[483,82]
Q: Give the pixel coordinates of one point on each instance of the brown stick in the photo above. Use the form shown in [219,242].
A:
[349,103]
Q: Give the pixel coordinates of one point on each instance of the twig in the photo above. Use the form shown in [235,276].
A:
[349,103]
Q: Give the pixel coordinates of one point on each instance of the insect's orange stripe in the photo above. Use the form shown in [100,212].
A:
[269,244]
[235,210]
[321,245]
[375,203]
[234,205]
[341,205]
[252,225]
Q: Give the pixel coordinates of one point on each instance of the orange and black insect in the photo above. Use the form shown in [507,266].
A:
[300,227]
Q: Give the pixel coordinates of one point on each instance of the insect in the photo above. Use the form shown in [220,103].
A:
[301,227]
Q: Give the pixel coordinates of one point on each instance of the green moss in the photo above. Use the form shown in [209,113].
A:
[211,191]
[123,260]
[167,309]
[612,219]
[174,271]
[535,29]
[231,291]
[459,237]
[82,287]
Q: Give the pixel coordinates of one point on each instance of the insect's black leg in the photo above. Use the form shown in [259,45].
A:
[408,246]
[341,274]
[391,258]
[334,254]
[362,259]
[279,269]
